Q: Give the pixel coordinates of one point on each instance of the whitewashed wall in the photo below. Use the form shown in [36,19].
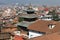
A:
[34,34]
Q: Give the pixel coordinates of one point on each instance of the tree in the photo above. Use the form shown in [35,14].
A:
[50,13]
[1,26]
[21,19]
[55,16]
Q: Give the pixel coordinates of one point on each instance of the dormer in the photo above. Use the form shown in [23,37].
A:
[51,26]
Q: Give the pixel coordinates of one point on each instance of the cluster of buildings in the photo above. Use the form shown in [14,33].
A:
[37,23]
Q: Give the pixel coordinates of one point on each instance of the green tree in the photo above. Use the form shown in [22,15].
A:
[21,19]
[55,16]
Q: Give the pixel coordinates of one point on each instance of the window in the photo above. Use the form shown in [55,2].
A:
[51,26]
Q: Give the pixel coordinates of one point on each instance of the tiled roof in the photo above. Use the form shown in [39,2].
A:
[42,26]
[10,25]
[10,30]
[53,36]
[4,35]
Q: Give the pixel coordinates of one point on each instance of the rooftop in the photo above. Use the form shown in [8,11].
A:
[24,23]
[29,15]
[43,26]
[54,36]
[4,35]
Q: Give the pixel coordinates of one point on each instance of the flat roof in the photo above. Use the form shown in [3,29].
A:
[48,16]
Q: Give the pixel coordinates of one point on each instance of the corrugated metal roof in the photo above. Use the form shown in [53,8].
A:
[24,23]
[29,16]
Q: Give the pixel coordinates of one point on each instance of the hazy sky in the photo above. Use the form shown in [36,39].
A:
[41,2]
